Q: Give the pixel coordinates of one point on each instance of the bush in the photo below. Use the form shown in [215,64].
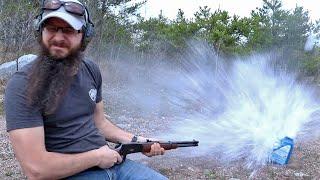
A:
[311,66]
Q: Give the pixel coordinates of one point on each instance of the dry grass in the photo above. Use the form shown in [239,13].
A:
[1,105]
[2,87]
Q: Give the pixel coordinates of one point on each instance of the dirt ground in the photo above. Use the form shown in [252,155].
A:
[304,164]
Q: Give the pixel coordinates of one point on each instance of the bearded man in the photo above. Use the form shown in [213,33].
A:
[54,110]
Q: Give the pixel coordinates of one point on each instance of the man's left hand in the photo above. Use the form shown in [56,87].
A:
[156,149]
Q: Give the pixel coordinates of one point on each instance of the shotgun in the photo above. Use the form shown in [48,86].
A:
[134,147]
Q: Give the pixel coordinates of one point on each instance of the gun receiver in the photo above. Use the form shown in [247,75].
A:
[143,147]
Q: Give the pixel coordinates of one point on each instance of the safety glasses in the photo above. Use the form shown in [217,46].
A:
[65,30]
[71,7]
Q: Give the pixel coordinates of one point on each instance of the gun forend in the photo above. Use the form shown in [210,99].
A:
[170,144]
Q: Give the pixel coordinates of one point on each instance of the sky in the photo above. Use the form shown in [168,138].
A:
[242,8]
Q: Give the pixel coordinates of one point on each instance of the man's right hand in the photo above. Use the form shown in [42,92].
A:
[108,157]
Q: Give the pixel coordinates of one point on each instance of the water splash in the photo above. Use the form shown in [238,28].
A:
[238,109]
[240,112]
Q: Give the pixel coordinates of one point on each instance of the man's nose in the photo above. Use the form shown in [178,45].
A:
[59,35]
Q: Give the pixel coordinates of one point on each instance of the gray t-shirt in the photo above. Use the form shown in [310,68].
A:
[71,128]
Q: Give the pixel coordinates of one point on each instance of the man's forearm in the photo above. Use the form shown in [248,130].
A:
[109,130]
[52,165]
[113,133]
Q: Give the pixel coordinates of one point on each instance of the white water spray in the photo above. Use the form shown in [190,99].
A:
[238,110]
[242,112]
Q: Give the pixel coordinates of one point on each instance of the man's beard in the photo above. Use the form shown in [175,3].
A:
[50,79]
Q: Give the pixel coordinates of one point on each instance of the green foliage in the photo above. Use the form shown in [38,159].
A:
[151,33]
[119,25]
[297,27]
[227,34]
[311,64]
[180,31]
[114,25]
[267,25]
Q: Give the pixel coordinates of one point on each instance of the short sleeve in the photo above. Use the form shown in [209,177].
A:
[99,84]
[95,71]
[19,114]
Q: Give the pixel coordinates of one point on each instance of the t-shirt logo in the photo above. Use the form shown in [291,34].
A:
[93,94]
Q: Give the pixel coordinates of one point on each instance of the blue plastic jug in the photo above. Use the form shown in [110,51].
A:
[282,152]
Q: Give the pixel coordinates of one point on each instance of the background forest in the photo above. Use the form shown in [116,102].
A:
[122,33]
[119,27]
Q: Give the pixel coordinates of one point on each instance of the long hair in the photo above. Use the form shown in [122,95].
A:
[50,79]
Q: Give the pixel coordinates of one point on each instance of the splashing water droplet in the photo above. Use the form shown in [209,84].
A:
[239,111]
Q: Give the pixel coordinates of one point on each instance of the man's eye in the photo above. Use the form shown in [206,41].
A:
[51,28]
[68,30]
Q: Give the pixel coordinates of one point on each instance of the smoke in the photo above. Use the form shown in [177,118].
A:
[311,42]
[237,109]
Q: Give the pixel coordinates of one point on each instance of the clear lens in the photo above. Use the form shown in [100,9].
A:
[51,29]
[66,30]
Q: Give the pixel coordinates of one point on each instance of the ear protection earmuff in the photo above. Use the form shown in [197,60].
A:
[88,31]
[36,22]
[88,28]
